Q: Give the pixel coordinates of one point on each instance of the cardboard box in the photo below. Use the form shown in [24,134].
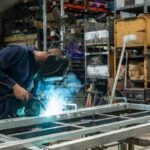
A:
[136,71]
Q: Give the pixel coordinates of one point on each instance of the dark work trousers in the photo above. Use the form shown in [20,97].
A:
[9,106]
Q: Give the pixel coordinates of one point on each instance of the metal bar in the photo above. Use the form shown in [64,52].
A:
[22,122]
[100,139]
[62,30]
[118,71]
[72,125]
[6,138]
[140,107]
[138,141]
[126,72]
[145,6]
[122,146]
[44,25]
[146,148]
[138,114]
[130,147]
[35,131]
[78,126]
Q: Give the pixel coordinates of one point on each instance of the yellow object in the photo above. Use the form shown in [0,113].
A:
[138,26]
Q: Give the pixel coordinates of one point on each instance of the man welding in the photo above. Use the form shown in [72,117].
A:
[18,66]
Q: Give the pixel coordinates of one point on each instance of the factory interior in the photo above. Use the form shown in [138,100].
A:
[74,75]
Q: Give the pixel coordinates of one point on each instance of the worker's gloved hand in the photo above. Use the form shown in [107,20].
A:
[20,92]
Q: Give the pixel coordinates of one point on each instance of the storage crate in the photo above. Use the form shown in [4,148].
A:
[138,26]
[120,3]
[99,33]
[124,3]
[129,2]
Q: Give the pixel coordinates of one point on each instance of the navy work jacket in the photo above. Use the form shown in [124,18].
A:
[17,65]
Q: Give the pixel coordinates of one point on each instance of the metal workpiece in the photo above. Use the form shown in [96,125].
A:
[146,148]
[26,121]
[80,129]
[100,139]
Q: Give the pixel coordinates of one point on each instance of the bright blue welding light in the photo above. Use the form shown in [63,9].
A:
[55,106]
[55,93]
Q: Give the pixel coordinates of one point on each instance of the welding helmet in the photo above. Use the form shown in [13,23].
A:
[54,66]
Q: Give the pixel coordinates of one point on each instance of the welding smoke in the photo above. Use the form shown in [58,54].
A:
[54,93]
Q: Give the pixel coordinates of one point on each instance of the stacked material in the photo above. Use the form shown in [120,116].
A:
[124,3]
[136,71]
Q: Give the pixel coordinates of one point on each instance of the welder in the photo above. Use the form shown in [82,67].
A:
[18,66]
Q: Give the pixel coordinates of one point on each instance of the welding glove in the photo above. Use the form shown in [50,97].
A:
[34,107]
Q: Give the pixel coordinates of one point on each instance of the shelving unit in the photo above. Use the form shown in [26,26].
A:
[80,12]
[28,20]
[137,53]
[31,40]
[98,39]
[87,8]
[136,7]
[18,25]
[83,10]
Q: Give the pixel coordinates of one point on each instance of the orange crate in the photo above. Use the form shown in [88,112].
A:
[138,26]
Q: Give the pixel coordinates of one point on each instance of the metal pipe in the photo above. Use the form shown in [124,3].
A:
[62,30]
[118,71]
[126,67]
[126,39]
[118,98]
[44,25]
[72,105]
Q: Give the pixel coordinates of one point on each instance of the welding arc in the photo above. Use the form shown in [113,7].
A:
[38,100]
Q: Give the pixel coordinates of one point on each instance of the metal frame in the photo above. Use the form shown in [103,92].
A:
[146,148]
[44,25]
[97,125]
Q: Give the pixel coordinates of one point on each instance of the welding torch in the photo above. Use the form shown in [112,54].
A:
[31,97]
